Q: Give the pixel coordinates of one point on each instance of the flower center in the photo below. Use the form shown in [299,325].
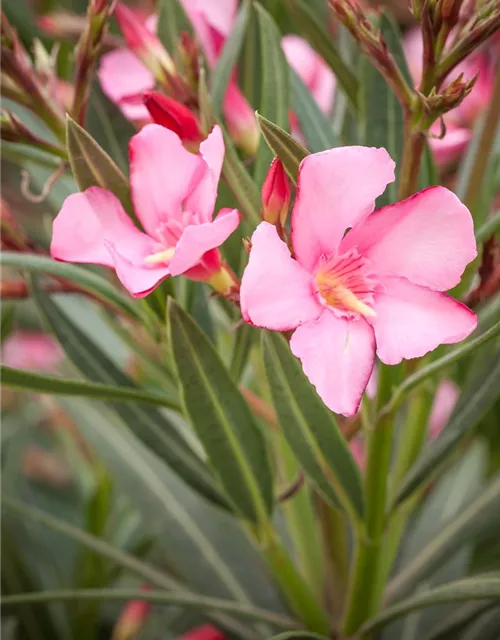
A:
[345,283]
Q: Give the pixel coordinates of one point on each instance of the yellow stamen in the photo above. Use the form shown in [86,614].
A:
[336,295]
[161,256]
[222,281]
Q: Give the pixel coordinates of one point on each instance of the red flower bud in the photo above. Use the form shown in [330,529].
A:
[174,116]
[132,618]
[206,632]
[275,194]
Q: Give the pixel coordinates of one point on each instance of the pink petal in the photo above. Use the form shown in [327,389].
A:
[196,240]
[413,320]
[122,75]
[77,232]
[427,238]
[337,356]
[162,175]
[445,400]
[202,199]
[240,118]
[138,278]
[336,188]
[448,149]
[31,351]
[276,292]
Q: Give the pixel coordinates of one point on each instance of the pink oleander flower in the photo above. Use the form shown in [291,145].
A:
[31,351]
[459,121]
[205,632]
[312,70]
[360,281]
[174,193]
[124,78]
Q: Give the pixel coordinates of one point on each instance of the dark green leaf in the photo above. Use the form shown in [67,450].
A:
[309,25]
[310,428]
[289,151]
[87,280]
[234,444]
[313,122]
[8,314]
[451,626]
[475,588]
[92,166]
[275,91]
[151,426]
[172,22]
[229,56]
[43,383]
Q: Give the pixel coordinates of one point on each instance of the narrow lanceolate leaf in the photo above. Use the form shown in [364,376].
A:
[229,56]
[315,126]
[172,22]
[310,26]
[476,400]
[92,167]
[87,280]
[234,444]
[233,170]
[476,588]
[42,383]
[275,90]
[149,424]
[7,321]
[479,518]
[310,428]
[289,151]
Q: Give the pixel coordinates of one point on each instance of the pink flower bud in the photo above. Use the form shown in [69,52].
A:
[143,42]
[275,194]
[174,116]
[205,632]
[240,119]
[132,619]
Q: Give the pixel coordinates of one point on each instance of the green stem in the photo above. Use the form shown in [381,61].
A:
[366,589]
[413,148]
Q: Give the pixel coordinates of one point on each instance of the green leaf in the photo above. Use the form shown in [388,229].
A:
[380,114]
[490,227]
[229,56]
[233,170]
[313,123]
[151,426]
[298,635]
[92,166]
[309,26]
[275,90]
[190,601]
[476,400]
[172,22]
[87,280]
[474,588]
[7,322]
[289,151]
[310,428]
[234,444]
[477,518]
[42,383]
[451,626]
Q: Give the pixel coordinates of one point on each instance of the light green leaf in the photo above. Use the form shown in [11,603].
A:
[233,170]
[7,322]
[491,226]
[229,56]
[475,588]
[172,22]
[275,90]
[310,428]
[92,167]
[87,280]
[43,383]
[151,426]
[233,442]
[309,26]
[477,518]
[475,401]
[313,122]
[289,151]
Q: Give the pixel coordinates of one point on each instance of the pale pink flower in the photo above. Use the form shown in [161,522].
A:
[174,193]
[459,121]
[312,70]
[31,351]
[360,282]
[446,398]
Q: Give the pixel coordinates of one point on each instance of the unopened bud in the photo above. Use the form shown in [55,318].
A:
[240,119]
[174,116]
[141,41]
[275,194]
[189,59]
[449,11]
[132,619]
[205,632]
